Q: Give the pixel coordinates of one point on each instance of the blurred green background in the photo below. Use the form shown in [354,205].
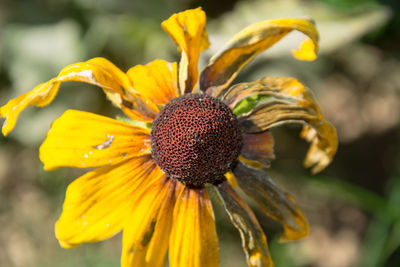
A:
[352,207]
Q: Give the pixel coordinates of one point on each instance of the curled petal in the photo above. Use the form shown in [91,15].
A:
[322,149]
[254,241]
[287,101]
[157,81]
[276,203]
[188,31]
[97,71]
[245,45]
[147,231]
[193,241]
[82,139]
[135,105]
[96,204]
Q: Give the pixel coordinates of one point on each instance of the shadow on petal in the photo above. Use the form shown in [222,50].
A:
[276,203]
[254,241]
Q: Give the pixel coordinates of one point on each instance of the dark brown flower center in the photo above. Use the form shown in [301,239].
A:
[195,139]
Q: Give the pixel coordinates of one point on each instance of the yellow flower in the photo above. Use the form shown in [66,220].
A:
[151,179]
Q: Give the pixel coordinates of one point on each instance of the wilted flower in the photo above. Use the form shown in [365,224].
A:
[153,170]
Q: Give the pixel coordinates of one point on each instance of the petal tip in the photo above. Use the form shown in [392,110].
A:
[8,124]
[307,51]
[63,243]
[4,129]
[296,234]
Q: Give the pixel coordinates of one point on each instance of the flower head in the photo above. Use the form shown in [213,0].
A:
[150,175]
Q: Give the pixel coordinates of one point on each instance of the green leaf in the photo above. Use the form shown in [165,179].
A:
[248,104]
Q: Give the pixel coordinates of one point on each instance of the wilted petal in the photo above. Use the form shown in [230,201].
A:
[97,71]
[276,203]
[287,101]
[245,45]
[323,139]
[254,241]
[258,147]
[188,31]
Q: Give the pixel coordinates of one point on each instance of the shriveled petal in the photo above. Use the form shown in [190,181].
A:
[254,241]
[96,205]
[193,241]
[188,31]
[97,71]
[245,45]
[147,232]
[323,139]
[82,139]
[258,147]
[287,101]
[157,81]
[275,202]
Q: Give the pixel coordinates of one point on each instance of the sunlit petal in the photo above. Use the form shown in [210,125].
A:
[276,203]
[254,241]
[245,45]
[147,231]
[193,241]
[188,31]
[81,139]
[287,101]
[157,81]
[96,204]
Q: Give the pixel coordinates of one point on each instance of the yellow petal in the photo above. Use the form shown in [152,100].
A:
[287,101]
[113,71]
[276,203]
[306,51]
[193,241]
[248,43]
[97,204]
[254,241]
[258,147]
[146,233]
[157,81]
[97,71]
[188,31]
[82,139]
[231,179]
[134,104]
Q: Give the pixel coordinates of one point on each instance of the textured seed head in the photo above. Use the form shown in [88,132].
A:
[195,139]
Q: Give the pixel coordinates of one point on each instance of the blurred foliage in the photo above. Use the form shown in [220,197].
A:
[352,206]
